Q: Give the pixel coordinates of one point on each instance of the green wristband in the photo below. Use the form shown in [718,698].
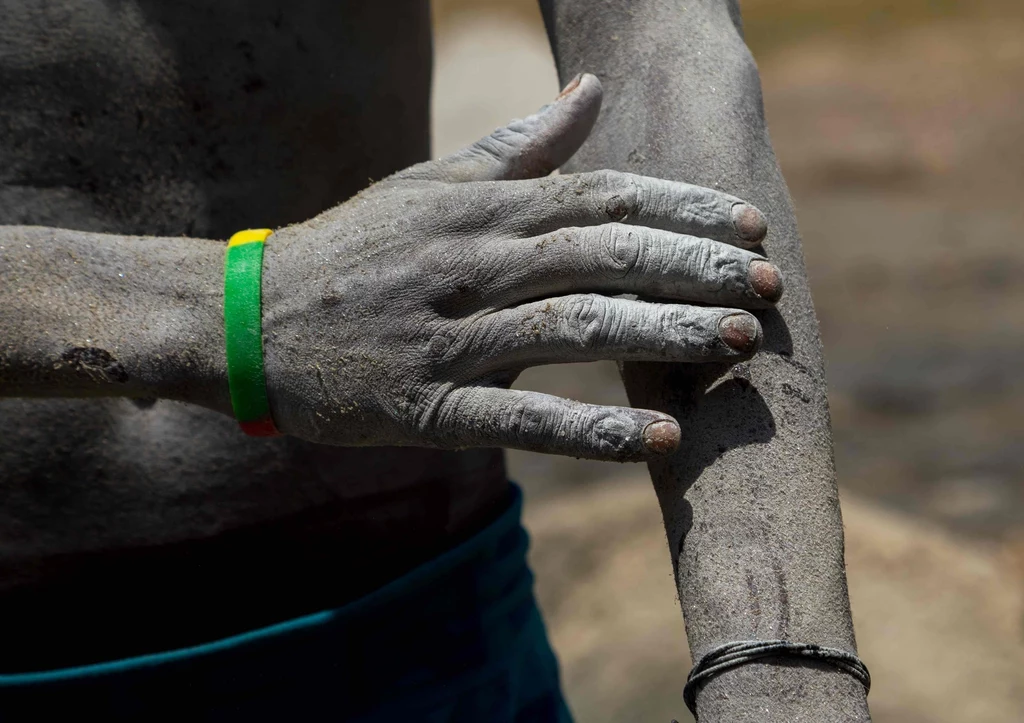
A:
[243,332]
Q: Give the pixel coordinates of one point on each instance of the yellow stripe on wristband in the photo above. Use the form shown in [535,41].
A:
[249,236]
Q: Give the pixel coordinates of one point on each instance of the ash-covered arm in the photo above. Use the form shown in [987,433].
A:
[98,315]
[750,501]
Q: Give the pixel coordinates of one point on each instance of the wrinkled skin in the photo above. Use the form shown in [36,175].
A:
[401,316]
[395,318]
[184,122]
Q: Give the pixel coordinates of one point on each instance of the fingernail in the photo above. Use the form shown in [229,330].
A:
[750,224]
[573,84]
[740,332]
[661,437]
[765,280]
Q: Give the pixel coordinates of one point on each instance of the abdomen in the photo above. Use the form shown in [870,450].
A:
[200,119]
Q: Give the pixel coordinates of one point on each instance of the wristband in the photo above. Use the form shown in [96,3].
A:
[243,332]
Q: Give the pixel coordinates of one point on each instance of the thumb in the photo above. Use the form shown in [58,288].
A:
[528,148]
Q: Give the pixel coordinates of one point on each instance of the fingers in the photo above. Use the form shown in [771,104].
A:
[589,199]
[591,327]
[493,417]
[630,259]
[528,148]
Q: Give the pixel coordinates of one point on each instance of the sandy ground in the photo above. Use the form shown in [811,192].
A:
[898,126]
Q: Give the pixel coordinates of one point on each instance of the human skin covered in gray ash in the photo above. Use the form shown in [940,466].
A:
[396,317]
[750,502]
[401,316]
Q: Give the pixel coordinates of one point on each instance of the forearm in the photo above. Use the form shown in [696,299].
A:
[84,314]
[750,500]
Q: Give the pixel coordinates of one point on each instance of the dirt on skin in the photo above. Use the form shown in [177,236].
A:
[898,128]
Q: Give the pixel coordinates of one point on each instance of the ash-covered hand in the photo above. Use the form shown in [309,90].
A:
[402,316]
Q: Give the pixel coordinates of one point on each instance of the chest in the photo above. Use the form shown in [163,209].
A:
[200,118]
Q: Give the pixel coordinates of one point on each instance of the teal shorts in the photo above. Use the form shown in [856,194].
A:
[457,640]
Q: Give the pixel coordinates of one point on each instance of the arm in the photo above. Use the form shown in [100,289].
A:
[88,314]
[750,501]
[402,316]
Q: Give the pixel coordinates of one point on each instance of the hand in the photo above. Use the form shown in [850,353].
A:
[402,316]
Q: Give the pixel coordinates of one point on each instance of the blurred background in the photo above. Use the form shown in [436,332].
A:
[899,125]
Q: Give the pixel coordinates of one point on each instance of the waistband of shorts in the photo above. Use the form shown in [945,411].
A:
[466,606]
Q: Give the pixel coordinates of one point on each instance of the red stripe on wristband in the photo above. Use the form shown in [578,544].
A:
[260,428]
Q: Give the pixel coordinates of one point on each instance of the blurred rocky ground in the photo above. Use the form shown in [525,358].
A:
[899,127]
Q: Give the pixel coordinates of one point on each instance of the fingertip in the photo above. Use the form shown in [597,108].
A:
[584,89]
[741,332]
[662,437]
[591,82]
[766,280]
[750,224]
[572,85]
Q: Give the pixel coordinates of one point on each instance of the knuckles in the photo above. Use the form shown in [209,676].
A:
[588,317]
[620,247]
[707,260]
[618,192]
[525,421]
[614,437]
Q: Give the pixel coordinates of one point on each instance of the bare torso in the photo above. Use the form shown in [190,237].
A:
[130,527]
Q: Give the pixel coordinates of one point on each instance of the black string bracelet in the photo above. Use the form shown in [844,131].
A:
[733,655]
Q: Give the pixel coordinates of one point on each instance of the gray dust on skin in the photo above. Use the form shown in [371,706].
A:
[750,501]
[149,119]
[756,527]
[357,319]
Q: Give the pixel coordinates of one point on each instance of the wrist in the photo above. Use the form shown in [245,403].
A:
[783,691]
[186,340]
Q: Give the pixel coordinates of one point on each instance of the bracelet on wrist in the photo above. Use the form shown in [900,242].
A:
[243,332]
